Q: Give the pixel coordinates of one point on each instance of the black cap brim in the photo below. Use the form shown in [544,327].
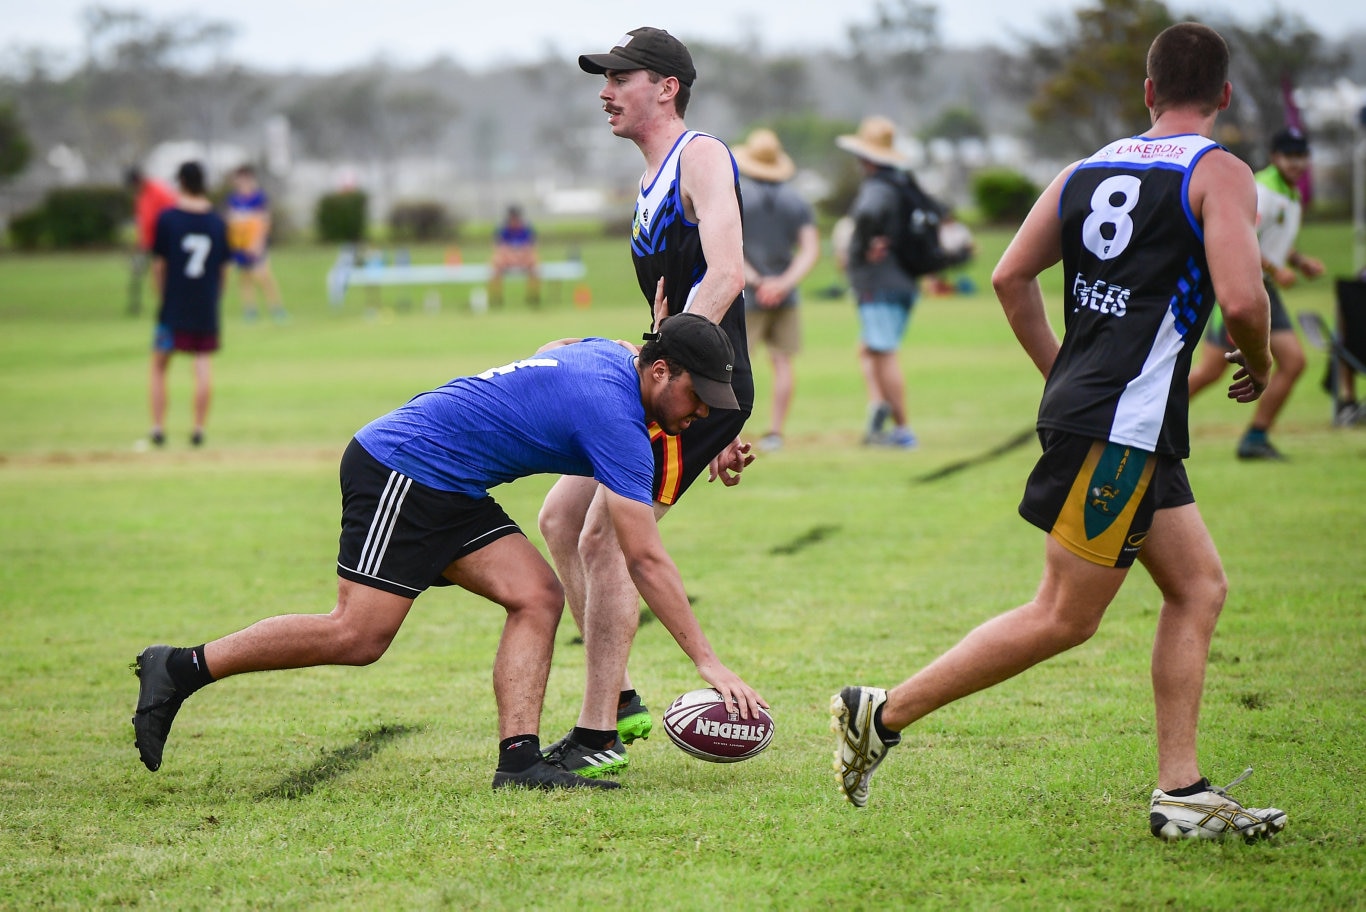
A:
[715,393]
[598,64]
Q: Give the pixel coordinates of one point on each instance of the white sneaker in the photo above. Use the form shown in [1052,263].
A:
[1211,814]
[858,750]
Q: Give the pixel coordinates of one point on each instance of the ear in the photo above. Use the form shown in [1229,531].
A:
[668,88]
[1226,97]
[1149,94]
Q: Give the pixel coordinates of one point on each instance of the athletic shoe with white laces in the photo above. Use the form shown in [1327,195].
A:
[574,757]
[859,750]
[1211,814]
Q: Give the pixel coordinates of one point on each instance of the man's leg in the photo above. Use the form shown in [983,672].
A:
[1065,612]
[356,632]
[782,388]
[511,572]
[1288,356]
[611,616]
[156,393]
[248,292]
[1183,562]
[889,383]
[203,393]
[561,523]
[1208,369]
[1185,566]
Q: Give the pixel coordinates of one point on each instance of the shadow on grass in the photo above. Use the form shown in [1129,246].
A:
[337,762]
[813,536]
[1000,449]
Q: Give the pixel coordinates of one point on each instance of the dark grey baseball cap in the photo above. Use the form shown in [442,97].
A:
[644,49]
[702,349]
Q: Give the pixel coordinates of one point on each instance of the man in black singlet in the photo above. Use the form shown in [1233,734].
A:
[1151,230]
[687,246]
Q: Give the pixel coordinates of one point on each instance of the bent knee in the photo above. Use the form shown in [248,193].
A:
[543,599]
[364,647]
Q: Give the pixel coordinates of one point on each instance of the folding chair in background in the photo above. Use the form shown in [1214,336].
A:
[1346,348]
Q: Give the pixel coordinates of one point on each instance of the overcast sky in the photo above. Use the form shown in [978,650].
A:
[332,34]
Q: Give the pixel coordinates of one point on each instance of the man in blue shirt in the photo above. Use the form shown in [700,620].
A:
[514,249]
[416,513]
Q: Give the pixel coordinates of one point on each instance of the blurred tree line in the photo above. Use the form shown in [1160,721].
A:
[138,82]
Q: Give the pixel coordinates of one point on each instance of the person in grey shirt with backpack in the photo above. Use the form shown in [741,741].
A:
[894,242]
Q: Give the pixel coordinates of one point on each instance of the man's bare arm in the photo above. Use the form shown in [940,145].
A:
[709,198]
[1035,247]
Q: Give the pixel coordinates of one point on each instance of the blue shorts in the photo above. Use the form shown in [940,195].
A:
[246,260]
[882,324]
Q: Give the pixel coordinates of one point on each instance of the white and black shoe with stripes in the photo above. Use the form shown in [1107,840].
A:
[574,757]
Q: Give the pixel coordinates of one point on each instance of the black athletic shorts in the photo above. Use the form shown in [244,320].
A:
[399,535]
[680,459]
[1217,332]
[1097,498]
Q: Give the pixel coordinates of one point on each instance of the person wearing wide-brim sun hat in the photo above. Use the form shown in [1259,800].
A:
[885,293]
[781,246]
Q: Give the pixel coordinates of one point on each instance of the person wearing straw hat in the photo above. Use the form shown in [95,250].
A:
[885,293]
[781,246]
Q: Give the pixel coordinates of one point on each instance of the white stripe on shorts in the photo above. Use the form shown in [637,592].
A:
[382,526]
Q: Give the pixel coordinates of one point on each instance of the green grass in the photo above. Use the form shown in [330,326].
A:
[368,788]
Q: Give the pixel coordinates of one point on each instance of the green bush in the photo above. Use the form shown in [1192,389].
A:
[421,220]
[1003,195]
[341,217]
[85,216]
[28,230]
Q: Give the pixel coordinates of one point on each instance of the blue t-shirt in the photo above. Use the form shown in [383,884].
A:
[573,410]
[522,235]
[194,246]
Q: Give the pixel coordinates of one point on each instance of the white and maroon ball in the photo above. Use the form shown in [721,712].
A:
[700,725]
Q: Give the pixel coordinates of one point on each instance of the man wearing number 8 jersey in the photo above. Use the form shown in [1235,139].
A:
[1150,230]
[190,256]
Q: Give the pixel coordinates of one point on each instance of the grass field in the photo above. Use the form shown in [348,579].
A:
[831,564]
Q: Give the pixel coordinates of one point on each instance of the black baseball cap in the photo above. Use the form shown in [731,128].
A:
[644,49]
[1290,141]
[701,348]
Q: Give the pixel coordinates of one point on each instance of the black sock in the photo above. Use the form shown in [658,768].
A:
[518,753]
[626,697]
[188,669]
[1197,788]
[594,739]
[883,732]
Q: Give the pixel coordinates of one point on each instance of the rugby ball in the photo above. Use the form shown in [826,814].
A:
[699,724]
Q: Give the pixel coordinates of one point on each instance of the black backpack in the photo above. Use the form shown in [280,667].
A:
[913,235]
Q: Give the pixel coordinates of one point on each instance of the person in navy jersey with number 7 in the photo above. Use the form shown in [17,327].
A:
[416,513]
[190,257]
[1151,230]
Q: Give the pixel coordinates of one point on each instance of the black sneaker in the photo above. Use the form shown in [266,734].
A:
[1259,449]
[157,438]
[545,776]
[568,754]
[197,439]
[158,702]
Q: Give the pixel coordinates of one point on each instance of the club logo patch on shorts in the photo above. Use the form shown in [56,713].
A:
[1113,484]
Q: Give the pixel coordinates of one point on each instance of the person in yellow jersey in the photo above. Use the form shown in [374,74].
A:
[248,218]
